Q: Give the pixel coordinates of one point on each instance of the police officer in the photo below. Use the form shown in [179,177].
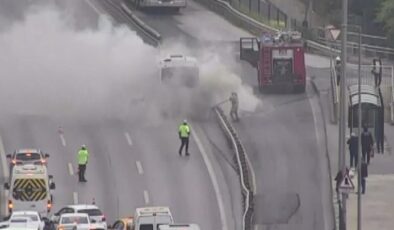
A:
[234,106]
[83,157]
[184,134]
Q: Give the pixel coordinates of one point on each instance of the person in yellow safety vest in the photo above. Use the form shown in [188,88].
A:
[184,134]
[234,106]
[83,157]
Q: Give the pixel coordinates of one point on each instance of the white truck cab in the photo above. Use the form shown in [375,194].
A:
[179,70]
[30,189]
[150,218]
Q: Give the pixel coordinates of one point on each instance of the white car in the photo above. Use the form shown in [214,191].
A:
[93,211]
[26,219]
[74,221]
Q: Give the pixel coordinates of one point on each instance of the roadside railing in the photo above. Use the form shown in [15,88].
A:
[242,166]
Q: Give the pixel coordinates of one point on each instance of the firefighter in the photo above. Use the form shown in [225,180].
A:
[83,157]
[184,134]
[234,106]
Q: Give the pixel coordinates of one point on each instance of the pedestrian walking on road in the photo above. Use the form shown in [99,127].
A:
[364,174]
[83,157]
[234,106]
[184,134]
[353,150]
[366,144]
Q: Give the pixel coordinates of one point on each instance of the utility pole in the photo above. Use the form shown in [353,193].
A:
[359,134]
[342,109]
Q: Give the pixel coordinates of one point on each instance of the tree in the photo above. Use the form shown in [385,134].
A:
[385,15]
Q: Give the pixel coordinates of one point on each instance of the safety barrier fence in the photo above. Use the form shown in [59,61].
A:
[242,166]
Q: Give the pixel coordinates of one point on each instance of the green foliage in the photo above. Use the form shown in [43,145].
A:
[385,15]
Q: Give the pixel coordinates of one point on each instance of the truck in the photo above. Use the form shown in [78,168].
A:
[279,59]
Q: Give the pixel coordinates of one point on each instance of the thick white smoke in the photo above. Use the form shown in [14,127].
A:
[49,68]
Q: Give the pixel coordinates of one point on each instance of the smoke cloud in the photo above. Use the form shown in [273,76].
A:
[49,68]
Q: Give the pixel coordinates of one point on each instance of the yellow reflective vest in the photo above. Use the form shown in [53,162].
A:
[184,130]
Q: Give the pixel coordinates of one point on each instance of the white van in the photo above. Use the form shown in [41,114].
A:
[150,218]
[30,189]
[179,70]
[179,227]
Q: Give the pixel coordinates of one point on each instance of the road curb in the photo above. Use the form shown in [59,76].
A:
[327,154]
[152,32]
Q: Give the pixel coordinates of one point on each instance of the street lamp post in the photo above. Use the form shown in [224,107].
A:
[342,102]
[359,131]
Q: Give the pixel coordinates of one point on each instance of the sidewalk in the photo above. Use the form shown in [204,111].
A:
[377,204]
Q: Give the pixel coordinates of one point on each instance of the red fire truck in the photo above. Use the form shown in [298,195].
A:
[279,60]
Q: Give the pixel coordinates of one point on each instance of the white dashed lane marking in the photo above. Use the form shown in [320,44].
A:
[70,169]
[128,138]
[139,167]
[62,139]
[75,197]
[146,197]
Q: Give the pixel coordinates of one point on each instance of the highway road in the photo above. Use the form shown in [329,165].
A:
[282,133]
[133,163]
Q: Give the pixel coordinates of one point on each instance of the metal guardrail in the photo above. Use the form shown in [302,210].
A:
[243,171]
[255,27]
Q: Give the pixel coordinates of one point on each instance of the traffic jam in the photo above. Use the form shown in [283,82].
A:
[30,198]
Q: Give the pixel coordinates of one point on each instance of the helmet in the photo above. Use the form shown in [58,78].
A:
[83,146]
[185,121]
[353,134]
[337,58]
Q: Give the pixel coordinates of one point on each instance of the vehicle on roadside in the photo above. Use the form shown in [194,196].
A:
[28,156]
[179,70]
[145,218]
[92,211]
[279,60]
[30,189]
[179,227]
[160,4]
[76,221]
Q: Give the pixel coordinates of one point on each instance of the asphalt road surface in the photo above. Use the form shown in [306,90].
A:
[131,164]
[280,134]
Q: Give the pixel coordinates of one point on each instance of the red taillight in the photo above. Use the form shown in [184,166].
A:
[10,206]
[49,206]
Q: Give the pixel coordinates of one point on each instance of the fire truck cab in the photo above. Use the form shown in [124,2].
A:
[279,60]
